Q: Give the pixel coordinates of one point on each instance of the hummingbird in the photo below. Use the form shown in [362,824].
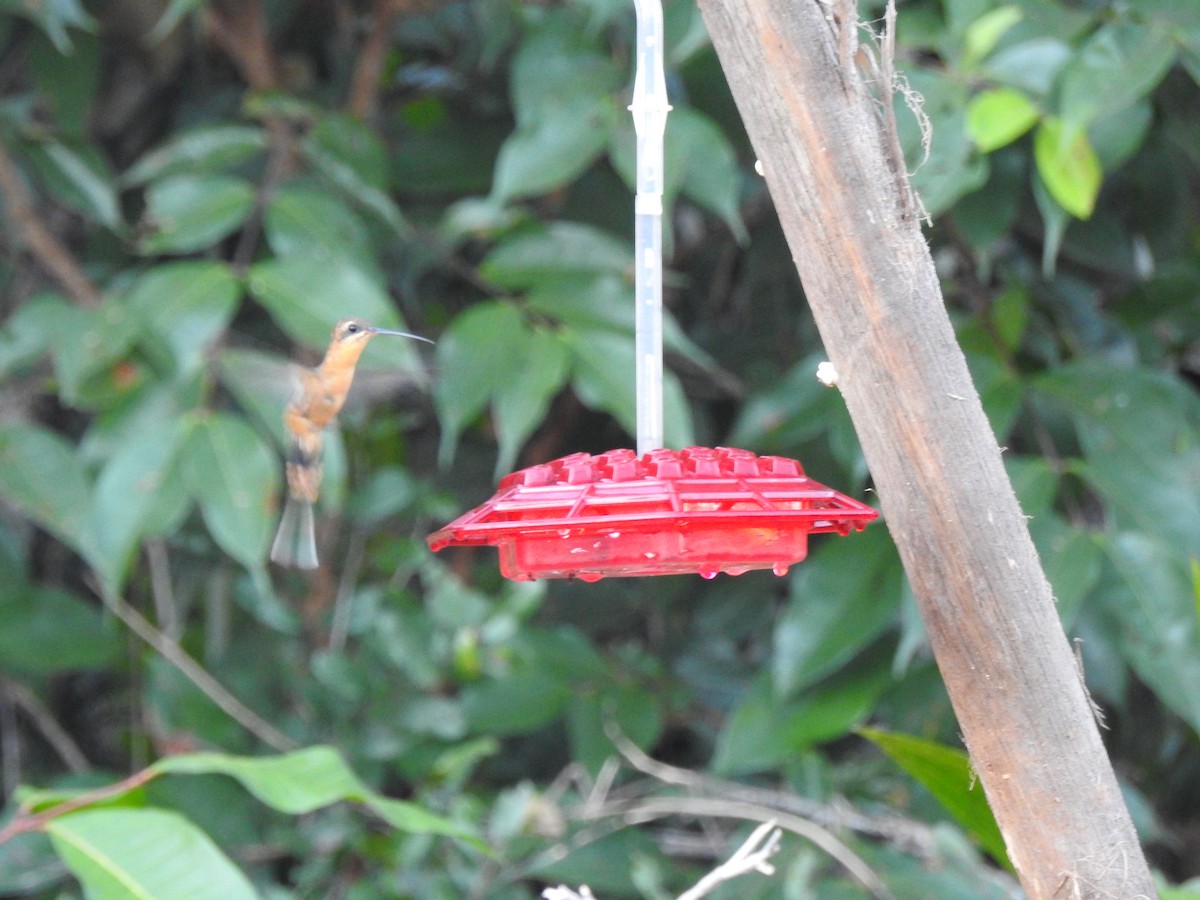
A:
[316,402]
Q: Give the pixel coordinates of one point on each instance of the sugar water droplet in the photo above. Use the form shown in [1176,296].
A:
[708,574]
[780,569]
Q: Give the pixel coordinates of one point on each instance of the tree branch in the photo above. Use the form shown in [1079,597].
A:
[869,278]
[39,240]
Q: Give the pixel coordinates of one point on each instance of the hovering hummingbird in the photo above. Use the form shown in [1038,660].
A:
[316,402]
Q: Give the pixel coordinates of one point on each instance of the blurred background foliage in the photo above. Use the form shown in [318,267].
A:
[193,192]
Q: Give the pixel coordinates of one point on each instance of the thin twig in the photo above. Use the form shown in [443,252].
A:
[39,240]
[368,72]
[23,822]
[651,808]
[199,676]
[56,736]
[753,856]
[913,837]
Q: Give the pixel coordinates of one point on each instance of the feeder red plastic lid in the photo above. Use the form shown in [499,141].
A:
[671,512]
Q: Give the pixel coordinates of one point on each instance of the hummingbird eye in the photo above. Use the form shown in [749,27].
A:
[352,328]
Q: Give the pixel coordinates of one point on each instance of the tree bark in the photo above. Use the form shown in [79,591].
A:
[844,204]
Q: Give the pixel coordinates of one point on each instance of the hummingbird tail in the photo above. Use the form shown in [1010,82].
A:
[295,541]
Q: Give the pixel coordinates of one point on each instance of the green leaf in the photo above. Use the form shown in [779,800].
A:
[518,703]
[997,117]
[1121,63]
[352,157]
[175,13]
[562,248]
[481,350]
[204,148]
[307,780]
[1156,606]
[306,295]
[87,342]
[46,631]
[521,402]
[1030,66]
[1140,433]
[698,162]
[765,732]
[185,213]
[78,175]
[42,477]
[946,773]
[634,708]
[1068,166]
[562,95]
[54,17]
[186,306]
[603,376]
[952,167]
[985,32]
[303,219]
[841,599]
[126,495]
[234,477]
[119,854]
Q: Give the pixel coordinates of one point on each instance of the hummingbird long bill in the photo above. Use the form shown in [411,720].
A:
[317,400]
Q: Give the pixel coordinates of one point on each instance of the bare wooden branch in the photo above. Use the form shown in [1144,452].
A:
[39,240]
[987,606]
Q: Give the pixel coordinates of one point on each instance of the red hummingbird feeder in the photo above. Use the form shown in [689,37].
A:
[656,511]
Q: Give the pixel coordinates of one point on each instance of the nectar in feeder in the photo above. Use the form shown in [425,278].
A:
[694,511]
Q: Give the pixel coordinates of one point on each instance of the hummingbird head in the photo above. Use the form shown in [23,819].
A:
[357,331]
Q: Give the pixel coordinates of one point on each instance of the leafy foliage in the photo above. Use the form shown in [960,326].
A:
[193,195]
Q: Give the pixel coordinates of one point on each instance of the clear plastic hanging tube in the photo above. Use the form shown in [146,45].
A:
[649,108]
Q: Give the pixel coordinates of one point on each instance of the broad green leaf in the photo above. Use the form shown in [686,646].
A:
[985,32]
[1140,432]
[45,631]
[234,477]
[1068,166]
[1120,64]
[79,176]
[127,492]
[68,87]
[42,477]
[1072,559]
[1030,66]
[482,349]
[307,295]
[186,306]
[87,342]
[352,157]
[121,853]
[946,773]
[998,117]
[1156,606]
[562,248]
[603,377]
[54,17]
[521,402]
[562,95]
[186,213]
[175,13]
[204,148]
[636,709]
[841,599]
[518,703]
[303,219]
[604,302]
[766,732]
[307,780]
